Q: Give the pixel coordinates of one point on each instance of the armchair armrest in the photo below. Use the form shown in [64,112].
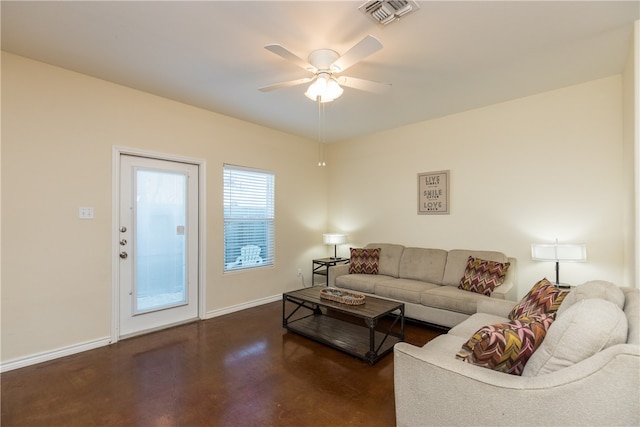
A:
[498,307]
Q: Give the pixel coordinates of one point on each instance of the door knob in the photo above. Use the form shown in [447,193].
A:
[123,255]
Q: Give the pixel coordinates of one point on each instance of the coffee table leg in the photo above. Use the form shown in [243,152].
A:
[371,355]
[314,308]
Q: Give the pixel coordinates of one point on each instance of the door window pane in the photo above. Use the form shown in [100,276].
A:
[160,239]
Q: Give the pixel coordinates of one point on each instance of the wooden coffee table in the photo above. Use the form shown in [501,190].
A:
[367,331]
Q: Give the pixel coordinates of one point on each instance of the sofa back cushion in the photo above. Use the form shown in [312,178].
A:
[390,255]
[457,263]
[584,329]
[632,311]
[423,264]
[593,289]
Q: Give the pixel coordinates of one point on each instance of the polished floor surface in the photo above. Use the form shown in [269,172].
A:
[242,369]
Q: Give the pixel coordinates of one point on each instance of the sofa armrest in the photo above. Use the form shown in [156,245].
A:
[498,307]
[335,271]
[601,390]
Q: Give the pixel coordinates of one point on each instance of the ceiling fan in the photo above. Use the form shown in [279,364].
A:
[326,65]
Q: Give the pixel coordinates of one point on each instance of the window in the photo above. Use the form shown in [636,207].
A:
[249,206]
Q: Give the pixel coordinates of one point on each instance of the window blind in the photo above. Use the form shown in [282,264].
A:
[249,216]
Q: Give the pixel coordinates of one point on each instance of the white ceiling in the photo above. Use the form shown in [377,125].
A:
[448,57]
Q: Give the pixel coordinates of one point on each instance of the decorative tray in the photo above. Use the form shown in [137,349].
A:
[342,296]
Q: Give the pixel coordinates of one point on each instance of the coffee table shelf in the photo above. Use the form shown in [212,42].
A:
[355,330]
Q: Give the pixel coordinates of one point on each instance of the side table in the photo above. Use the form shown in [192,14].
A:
[321,267]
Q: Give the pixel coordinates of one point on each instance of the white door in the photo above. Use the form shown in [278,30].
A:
[158,243]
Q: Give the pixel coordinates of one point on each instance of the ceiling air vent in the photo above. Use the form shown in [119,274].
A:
[385,12]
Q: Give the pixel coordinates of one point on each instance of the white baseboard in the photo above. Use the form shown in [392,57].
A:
[243,306]
[54,354]
[90,345]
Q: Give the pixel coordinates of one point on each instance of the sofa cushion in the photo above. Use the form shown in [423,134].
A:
[506,347]
[593,289]
[543,298]
[483,276]
[457,263]
[450,298]
[390,255]
[423,264]
[406,290]
[584,329]
[364,261]
[360,282]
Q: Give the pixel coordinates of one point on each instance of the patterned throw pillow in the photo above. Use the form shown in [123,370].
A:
[482,276]
[543,298]
[364,261]
[506,347]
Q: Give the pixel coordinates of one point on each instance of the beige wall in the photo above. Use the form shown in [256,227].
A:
[58,133]
[631,107]
[629,101]
[530,170]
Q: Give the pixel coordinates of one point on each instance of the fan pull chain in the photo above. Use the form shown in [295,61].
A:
[321,132]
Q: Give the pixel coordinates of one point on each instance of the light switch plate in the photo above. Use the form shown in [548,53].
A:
[86,213]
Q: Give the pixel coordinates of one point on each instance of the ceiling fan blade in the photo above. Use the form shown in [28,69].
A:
[285,53]
[285,84]
[361,84]
[361,50]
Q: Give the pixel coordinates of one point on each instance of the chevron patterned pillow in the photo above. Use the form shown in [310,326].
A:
[543,298]
[364,261]
[482,276]
[506,347]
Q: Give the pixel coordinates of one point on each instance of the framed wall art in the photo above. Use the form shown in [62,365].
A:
[433,193]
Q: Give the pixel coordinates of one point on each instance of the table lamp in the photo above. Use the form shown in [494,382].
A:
[335,240]
[566,252]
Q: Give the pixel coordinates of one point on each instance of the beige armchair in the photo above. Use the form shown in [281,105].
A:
[434,388]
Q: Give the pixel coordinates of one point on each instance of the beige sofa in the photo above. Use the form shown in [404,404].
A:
[426,280]
[585,372]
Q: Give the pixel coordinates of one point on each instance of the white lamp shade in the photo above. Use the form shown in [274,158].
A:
[568,252]
[326,87]
[334,239]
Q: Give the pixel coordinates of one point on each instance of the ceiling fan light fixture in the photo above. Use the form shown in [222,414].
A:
[333,89]
[325,87]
